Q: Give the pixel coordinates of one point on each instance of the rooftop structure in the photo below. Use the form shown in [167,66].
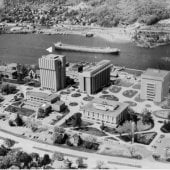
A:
[107,111]
[95,68]
[155,74]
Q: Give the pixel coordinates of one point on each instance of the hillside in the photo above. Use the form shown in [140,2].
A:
[107,13]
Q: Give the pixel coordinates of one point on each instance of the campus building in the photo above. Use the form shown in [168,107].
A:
[52,72]
[155,85]
[39,99]
[95,77]
[109,112]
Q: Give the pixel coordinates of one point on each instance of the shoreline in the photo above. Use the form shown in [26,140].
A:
[118,34]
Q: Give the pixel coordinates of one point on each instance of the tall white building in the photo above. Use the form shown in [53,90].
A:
[155,85]
[52,72]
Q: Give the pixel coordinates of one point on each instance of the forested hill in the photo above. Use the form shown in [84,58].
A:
[106,13]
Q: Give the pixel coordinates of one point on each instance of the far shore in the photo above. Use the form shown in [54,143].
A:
[117,34]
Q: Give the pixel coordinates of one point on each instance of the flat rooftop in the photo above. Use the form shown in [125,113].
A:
[114,107]
[96,67]
[45,96]
[155,74]
[52,56]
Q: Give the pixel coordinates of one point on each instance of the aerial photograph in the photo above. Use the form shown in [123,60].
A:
[85,84]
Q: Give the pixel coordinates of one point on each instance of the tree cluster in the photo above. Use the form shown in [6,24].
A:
[21,159]
[61,137]
[8,89]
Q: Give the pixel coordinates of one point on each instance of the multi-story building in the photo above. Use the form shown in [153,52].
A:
[155,85]
[52,72]
[38,99]
[109,112]
[95,77]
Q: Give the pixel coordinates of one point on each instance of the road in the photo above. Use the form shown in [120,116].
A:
[91,156]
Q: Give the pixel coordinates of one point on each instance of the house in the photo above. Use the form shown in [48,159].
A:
[34,74]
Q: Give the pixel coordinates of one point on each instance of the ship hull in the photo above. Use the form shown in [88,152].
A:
[86,49]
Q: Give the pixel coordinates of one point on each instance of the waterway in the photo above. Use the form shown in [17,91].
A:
[27,48]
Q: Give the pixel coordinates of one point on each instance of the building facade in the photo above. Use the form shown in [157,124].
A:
[35,99]
[155,85]
[109,112]
[95,77]
[52,72]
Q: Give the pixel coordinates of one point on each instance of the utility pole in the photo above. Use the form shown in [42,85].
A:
[132,131]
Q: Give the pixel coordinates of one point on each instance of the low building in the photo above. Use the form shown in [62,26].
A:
[155,85]
[58,106]
[35,99]
[46,108]
[109,112]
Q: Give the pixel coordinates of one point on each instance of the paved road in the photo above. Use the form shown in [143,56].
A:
[91,156]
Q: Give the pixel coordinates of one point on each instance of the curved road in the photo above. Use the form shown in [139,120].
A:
[91,156]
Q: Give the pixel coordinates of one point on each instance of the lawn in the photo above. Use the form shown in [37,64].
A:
[142,138]
[64,92]
[88,98]
[131,104]
[16,103]
[126,127]
[136,86]
[162,113]
[129,93]
[164,104]
[21,111]
[83,124]
[138,99]
[115,89]
[91,131]
[73,104]
[105,92]
[109,97]
[76,95]
[123,83]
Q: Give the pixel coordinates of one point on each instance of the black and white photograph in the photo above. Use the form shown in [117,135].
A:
[85,84]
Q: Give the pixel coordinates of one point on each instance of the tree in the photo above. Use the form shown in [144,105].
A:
[102,127]
[3,151]
[19,121]
[99,165]
[8,89]
[41,113]
[147,117]
[46,160]
[9,142]
[23,157]
[79,162]
[77,121]
[35,156]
